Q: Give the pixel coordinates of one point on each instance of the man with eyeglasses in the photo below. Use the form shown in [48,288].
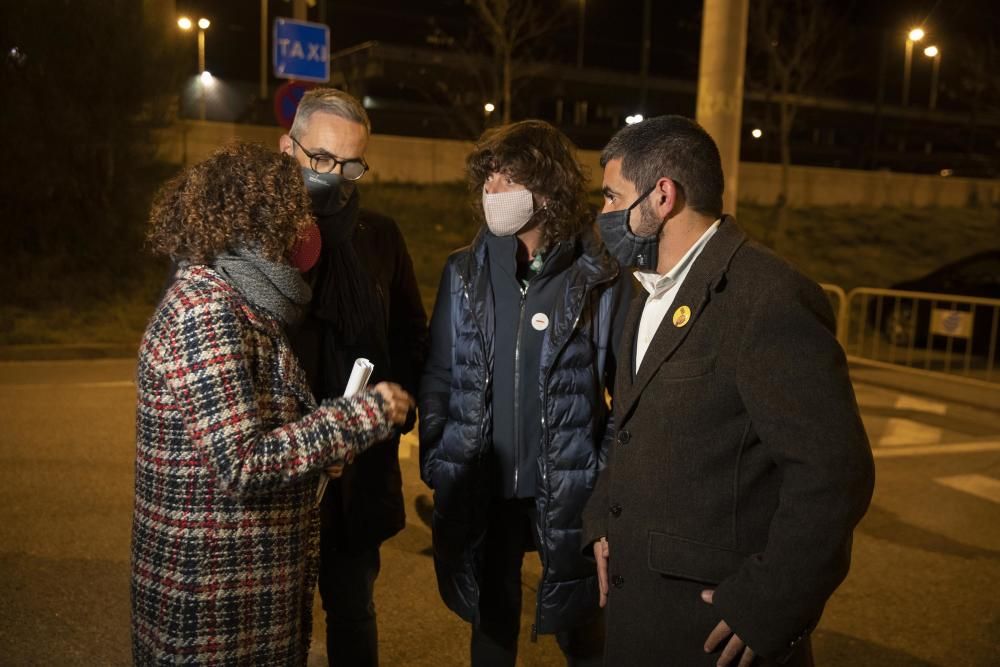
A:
[365,304]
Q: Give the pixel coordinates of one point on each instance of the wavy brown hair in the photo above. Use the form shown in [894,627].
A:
[243,195]
[541,158]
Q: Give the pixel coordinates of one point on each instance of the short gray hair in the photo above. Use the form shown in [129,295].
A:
[331,101]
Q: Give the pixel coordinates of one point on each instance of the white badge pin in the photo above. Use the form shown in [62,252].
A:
[540,321]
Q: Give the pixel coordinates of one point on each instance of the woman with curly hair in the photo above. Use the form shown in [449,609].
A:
[229,440]
[513,420]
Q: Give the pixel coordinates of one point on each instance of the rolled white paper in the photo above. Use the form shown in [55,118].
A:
[360,374]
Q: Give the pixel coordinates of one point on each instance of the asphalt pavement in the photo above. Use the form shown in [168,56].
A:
[922,589]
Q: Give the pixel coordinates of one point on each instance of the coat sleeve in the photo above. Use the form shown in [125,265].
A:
[407,323]
[207,368]
[435,384]
[792,376]
[596,511]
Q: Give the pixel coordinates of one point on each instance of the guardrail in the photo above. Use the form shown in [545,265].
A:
[920,332]
[838,301]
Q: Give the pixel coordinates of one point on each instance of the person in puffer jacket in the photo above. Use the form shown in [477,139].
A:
[514,415]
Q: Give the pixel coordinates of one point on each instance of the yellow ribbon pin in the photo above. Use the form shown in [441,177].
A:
[682,316]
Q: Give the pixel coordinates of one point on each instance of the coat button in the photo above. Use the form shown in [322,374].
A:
[616,510]
[623,437]
[618,581]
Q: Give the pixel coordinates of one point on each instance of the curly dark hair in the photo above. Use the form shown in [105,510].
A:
[536,155]
[243,195]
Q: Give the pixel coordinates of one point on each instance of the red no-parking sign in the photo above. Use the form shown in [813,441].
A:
[286,101]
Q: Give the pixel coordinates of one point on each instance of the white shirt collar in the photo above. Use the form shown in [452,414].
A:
[656,283]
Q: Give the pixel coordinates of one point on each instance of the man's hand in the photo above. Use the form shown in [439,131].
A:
[735,647]
[601,556]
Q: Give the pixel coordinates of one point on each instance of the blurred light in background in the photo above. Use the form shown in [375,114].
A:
[931,51]
[184,23]
[756,133]
[916,35]
[632,120]
[204,23]
[489,107]
[207,78]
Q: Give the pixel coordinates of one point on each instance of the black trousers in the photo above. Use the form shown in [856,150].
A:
[346,583]
[510,533]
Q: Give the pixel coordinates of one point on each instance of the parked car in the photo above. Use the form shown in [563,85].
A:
[902,320]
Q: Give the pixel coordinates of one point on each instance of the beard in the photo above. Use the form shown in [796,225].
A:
[648,224]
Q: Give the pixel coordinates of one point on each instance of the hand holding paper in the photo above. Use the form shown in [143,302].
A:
[360,374]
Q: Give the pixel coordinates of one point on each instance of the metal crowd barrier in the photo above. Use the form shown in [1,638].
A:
[920,332]
[838,301]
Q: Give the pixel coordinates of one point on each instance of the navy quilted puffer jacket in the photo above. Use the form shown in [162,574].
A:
[577,365]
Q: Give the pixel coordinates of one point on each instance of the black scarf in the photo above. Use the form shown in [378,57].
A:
[344,295]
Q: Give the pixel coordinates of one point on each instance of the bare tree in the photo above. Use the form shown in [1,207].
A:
[804,45]
[511,28]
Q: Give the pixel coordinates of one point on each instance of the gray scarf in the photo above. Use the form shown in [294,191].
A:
[277,288]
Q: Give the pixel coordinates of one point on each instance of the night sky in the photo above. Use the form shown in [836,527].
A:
[613,30]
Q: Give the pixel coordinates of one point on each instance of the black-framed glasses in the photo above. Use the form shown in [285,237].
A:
[324,163]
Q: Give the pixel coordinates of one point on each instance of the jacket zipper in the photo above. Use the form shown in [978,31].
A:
[517,388]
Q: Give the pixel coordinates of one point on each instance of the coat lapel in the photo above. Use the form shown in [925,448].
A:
[695,293]
[624,377]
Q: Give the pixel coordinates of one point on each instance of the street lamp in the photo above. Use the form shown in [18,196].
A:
[915,35]
[184,23]
[756,133]
[935,53]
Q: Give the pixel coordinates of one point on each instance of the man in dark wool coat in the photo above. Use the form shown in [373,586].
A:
[723,520]
[366,303]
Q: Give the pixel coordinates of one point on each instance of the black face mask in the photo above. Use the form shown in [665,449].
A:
[329,193]
[641,252]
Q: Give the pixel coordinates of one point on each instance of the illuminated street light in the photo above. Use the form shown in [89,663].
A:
[915,35]
[756,133]
[489,107]
[632,120]
[935,53]
[184,23]
[206,78]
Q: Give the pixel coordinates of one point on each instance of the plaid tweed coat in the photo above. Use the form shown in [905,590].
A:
[229,442]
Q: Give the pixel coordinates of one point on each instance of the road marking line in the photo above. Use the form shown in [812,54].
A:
[929,450]
[899,431]
[980,486]
[907,402]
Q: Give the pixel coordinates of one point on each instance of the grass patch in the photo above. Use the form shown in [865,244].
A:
[847,246]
